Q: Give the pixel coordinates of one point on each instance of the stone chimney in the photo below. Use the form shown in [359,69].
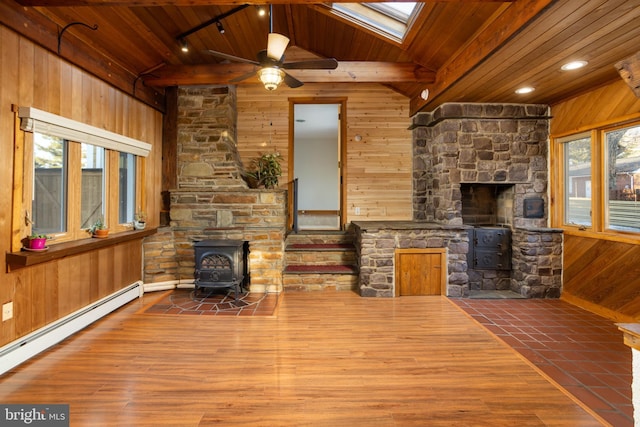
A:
[212,200]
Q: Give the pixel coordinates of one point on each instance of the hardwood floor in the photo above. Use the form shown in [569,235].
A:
[325,359]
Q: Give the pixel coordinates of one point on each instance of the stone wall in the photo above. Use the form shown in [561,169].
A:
[377,241]
[478,143]
[537,264]
[212,200]
[505,145]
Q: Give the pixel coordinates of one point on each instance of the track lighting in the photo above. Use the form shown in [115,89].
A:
[261,11]
[220,27]
[184,46]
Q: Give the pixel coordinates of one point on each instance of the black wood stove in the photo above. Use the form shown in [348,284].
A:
[221,264]
[489,248]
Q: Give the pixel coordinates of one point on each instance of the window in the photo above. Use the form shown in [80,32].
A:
[622,178]
[75,174]
[606,161]
[126,187]
[92,184]
[49,202]
[577,179]
[389,19]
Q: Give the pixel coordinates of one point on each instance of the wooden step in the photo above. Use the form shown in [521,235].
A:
[320,260]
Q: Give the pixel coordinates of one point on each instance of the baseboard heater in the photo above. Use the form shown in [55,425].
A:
[24,348]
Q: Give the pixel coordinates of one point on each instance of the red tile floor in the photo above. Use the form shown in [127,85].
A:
[582,352]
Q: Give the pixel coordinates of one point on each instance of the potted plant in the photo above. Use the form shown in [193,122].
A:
[139,220]
[266,170]
[37,241]
[99,228]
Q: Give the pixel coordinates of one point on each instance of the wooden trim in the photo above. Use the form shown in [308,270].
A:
[17,260]
[444,275]
[316,212]
[342,153]
[631,334]
[18,212]
[595,308]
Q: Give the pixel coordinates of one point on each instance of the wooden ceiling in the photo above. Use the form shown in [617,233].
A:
[461,50]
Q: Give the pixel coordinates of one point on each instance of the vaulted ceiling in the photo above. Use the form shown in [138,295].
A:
[460,50]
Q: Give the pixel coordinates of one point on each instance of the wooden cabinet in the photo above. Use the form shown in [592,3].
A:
[420,271]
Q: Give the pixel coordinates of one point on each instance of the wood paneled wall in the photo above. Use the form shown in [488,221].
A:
[32,76]
[378,167]
[599,275]
[601,105]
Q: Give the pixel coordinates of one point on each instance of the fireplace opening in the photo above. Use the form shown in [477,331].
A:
[487,204]
[221,264]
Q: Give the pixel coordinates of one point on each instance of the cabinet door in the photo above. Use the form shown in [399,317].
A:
[420,271]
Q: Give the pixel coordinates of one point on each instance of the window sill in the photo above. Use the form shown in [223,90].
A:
[17,260]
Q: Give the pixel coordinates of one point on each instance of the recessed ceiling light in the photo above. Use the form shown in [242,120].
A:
[573,65]
[523,90]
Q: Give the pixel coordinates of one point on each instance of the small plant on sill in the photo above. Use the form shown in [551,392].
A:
[37,241]
[140,220]
[99,228]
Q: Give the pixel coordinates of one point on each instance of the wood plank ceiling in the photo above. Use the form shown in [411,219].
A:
[460,50]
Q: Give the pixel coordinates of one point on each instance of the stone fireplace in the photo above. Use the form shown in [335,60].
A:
[486,164]
[212,201]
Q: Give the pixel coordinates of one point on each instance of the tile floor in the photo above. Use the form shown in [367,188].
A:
[582,352]
[212,303]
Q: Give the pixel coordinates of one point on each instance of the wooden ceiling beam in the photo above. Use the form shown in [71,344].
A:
[514,18]
[347,72]
[193,3]
[41,30]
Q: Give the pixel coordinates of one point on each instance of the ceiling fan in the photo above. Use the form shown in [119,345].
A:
[272,66]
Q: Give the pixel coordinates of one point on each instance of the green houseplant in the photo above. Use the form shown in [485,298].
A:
[99,228]
[140,220]
[37,241]
[265,170]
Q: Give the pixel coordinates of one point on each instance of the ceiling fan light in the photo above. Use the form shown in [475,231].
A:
[271,77]
[276,46]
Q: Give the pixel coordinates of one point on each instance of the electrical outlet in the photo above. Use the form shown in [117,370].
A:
[7,311]
[357,210]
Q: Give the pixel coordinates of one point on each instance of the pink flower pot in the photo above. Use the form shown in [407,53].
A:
[37,243]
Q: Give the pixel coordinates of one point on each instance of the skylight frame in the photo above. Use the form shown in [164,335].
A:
[385,19]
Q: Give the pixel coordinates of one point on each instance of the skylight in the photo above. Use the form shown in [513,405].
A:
[389,19]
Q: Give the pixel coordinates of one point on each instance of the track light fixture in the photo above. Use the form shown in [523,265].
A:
[184,46]
[261,11]
[220,27]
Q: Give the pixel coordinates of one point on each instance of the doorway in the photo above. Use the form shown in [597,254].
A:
[317,128]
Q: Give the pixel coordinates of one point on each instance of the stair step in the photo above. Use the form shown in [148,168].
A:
[321,269]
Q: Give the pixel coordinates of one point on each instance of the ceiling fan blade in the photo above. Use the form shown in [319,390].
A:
[231,57]
[276,46]
[291,81]
[243,77]
[318,64]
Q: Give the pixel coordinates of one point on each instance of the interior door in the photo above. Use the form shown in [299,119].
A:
[317,165]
